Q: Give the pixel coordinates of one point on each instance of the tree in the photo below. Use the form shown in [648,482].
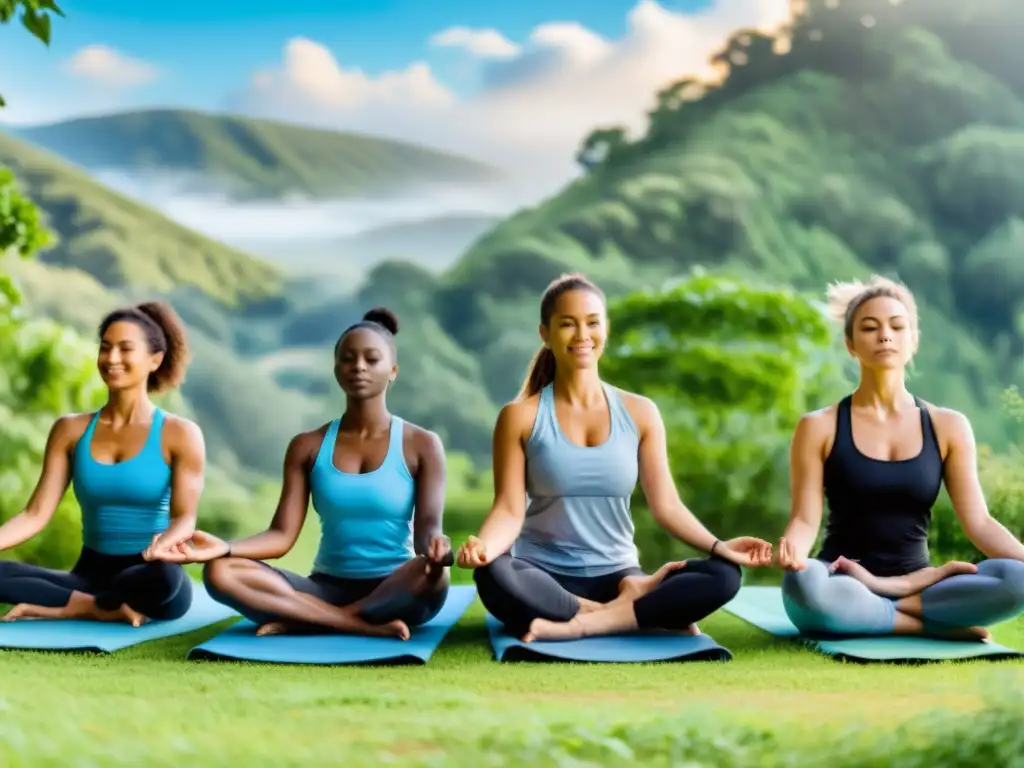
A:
[601,146]
[36,17]
[732,367]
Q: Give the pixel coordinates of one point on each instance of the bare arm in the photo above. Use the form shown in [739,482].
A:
[430,494]
[807,491]
[659,486]
[188,478]
[292,506]
[505,520]
[961,476]
[50,488]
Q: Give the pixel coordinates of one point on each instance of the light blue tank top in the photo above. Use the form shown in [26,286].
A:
[578,521]
[123,505]
[365,519]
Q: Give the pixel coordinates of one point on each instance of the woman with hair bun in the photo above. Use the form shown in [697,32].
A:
[137,474]
[879,457]
[378,484]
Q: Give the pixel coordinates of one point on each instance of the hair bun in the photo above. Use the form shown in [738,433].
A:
[385,317]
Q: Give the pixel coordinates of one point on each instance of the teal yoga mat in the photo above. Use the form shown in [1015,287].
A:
[634,647]
[104,637]
[240,643]
[762,607]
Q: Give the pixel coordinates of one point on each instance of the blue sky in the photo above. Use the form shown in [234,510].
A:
[207,49]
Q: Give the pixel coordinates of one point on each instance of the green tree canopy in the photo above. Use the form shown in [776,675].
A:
[732,367]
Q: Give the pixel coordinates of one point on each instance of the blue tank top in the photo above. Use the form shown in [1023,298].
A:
[578,521]
[124,505]
[365,519]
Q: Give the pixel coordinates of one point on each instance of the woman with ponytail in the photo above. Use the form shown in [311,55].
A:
[555,559]
[137,474]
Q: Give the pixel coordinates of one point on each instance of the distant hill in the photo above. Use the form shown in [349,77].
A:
[436,242]
[125,245]
[251,158]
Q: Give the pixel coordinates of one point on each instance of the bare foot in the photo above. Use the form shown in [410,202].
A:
[29,611]
[542,629]
[956,568]
[635,587]
[355,626]
[77,611]
[275,628]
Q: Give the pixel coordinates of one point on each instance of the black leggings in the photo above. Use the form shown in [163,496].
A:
[157,590]
[414,610]
[516,592]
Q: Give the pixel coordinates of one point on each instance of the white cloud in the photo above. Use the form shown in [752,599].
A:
[483,43]
[534,106]
[110,68]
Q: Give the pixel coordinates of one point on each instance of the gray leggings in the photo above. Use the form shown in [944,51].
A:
[818,602]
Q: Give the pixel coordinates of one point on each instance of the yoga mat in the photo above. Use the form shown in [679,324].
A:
[240,642]
[107,637]
[633,647]
[762,607]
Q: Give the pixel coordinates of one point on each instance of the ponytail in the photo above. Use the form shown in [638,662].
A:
[540,373]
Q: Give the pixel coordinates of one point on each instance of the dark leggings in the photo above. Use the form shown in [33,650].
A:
[402,605]
[157,590]
[516,592]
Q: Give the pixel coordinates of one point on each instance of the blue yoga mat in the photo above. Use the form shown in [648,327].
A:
[632,647]
[762,607]
[240,642]
[107,637]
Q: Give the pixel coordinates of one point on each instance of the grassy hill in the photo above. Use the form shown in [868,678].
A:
[883,151]
[252,158]
[123,244]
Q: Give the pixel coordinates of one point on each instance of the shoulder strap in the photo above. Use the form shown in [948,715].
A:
[325,456]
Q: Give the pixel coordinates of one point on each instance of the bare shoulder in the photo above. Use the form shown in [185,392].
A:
[421,440]
[816,429]
[518,417]
[182,431]
[67,430]
[304,446]
[952,428]
[643,410]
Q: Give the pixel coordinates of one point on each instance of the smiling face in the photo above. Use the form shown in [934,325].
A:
[884,335]
[577,331]
[125,360]
[364,365]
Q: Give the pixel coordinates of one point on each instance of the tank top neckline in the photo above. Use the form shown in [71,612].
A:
[548,401]
[330,443]
[927,434]
[154,434]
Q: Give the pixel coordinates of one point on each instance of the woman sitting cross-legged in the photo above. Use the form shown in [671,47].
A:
[378,485]
[564,564]
[880,457]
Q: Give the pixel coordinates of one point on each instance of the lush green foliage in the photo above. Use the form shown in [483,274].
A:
[732,367]
[253,158]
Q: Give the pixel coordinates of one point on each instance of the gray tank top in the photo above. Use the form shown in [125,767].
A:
[578,520]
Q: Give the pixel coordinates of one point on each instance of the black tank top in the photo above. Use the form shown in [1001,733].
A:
[879,511]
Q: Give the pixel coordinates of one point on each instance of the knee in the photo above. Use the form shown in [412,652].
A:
[729,578]
[217,577]
[7,568]
[163,576]
[1011,582]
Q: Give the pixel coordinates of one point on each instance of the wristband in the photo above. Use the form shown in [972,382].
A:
[717,542]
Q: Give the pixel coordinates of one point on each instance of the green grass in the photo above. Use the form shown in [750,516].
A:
[148,705]
[124,244]
[255,158]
